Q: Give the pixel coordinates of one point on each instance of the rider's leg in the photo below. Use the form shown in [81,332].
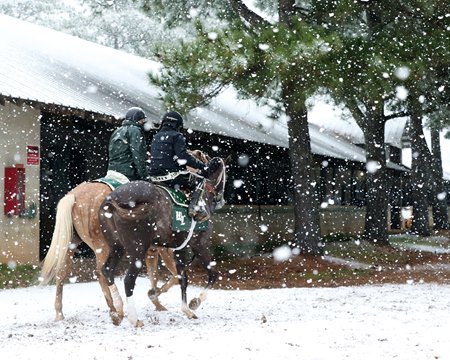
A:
[196,209]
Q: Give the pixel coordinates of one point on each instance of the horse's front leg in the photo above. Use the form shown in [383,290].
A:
[195,303]
[184,306]
[200,248]
[183,280]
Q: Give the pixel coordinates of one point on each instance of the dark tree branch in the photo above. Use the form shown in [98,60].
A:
[286,11]
[356,110]
[396,115]
[247,15]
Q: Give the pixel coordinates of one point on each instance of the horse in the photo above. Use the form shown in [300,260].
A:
[78,210]
[137,216]
[77,221]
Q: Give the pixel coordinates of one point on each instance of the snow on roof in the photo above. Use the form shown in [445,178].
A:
[51,67]
[253,122]
[48,66]
[335,119]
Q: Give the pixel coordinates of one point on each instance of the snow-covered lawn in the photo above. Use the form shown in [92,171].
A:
[410,321]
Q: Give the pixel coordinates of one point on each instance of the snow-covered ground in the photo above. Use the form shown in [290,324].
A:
[410,321]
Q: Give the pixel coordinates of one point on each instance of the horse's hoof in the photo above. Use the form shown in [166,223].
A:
[59,317]
[152,294]
[188,312]
[116,318]
[159,307]
[139,324]
[194,303]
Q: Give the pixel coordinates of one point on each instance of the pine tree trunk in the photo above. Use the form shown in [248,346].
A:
[419,177]
[306,209]
[306,204]
[377,192]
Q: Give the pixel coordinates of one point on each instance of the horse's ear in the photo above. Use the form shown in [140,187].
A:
[200,155]
[228,159]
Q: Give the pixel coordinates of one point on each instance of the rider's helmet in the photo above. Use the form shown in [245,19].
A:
[173,118]
[135,114]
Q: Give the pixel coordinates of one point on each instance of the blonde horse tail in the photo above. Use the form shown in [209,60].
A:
[62,235]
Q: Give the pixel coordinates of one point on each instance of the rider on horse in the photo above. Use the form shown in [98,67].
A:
[127,149]
[170,159]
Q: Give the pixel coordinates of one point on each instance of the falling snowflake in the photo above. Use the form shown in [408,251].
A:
[373,166]
[282,253]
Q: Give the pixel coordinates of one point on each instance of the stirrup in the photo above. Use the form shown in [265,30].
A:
[198,213]
[201,217]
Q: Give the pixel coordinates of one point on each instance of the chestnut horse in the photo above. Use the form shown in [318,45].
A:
[138,215]
[77,221]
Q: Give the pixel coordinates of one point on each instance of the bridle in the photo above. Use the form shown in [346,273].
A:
[211,186]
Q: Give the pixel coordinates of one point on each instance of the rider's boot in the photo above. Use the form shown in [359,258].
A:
[196,210]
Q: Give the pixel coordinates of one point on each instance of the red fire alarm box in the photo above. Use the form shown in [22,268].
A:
[14,190]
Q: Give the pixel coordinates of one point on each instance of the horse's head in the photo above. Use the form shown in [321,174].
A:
[215,183]
[200,155]
[211,189]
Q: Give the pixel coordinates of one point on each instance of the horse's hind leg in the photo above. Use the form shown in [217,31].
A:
[115,314]
[60,278]
[130,282]
[169,262]
[152,270]
[108,270]
[151,261]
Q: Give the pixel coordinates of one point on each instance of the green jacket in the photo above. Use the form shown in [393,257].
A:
[127,151]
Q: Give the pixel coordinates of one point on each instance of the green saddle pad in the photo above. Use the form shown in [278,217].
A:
[113,184]
[181,221]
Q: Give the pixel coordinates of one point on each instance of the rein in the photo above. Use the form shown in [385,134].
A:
[212,190]
[186,241]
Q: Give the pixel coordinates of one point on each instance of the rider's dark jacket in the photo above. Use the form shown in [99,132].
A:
[169,153]
[127,151]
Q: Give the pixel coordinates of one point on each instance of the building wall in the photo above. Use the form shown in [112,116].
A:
[240,229]
[74,150]
[19,235]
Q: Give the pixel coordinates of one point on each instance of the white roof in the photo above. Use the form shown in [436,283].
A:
[51,67]
[47,66]
[339,121]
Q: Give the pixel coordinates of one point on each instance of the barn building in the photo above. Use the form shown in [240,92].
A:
[60,99]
